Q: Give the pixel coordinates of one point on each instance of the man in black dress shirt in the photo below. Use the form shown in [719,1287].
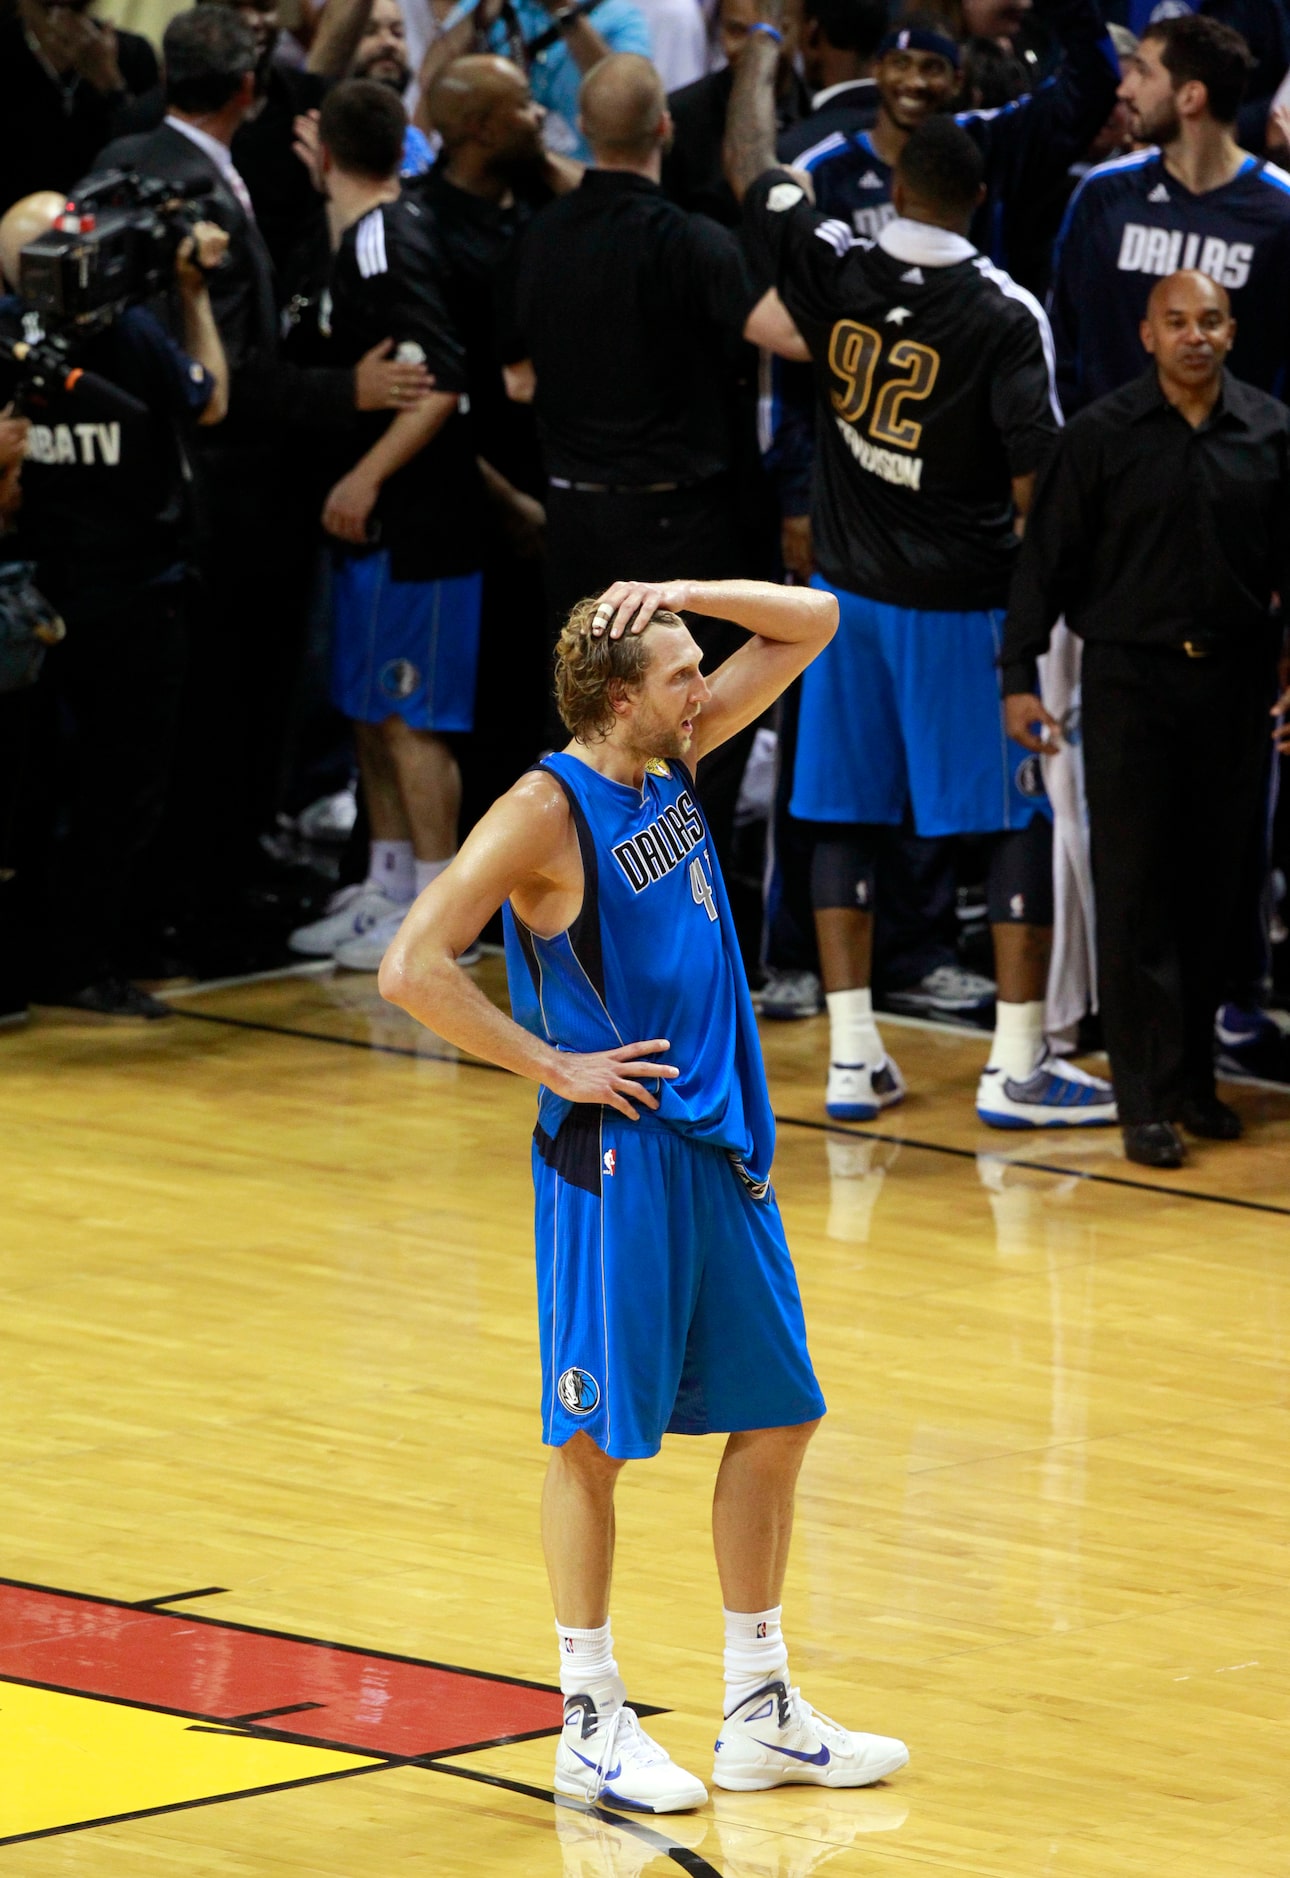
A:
[1162,530]
[626,315]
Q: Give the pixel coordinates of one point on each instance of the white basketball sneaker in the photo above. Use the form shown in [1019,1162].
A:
[606,1756]
[349,914]
[1054,1095]
[856,1091]
[775,1739]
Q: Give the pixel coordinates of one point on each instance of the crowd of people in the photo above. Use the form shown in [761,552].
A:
[977,314]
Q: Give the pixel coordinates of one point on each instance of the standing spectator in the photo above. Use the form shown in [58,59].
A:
[65,80]
[1192,199]
[1264,25]
[630,362]
[405,516]
[936,411]
[383,55]
[557,43]
[1162,530]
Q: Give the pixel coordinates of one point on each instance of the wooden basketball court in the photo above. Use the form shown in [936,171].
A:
[272,1599]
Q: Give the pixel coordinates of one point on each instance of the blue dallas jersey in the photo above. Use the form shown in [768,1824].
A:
[653,953]
[1129,224]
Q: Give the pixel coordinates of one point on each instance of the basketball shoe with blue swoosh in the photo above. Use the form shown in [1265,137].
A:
[776,1739]
[605,1757]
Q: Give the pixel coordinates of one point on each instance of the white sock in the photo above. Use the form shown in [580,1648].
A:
[587,1666]
[389,867]
[755,1654]
[426,871]
[853,1035]
[1018,1038]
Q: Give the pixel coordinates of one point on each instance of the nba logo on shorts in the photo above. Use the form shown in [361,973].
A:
[611,1160]
[579,1391]
[400,678]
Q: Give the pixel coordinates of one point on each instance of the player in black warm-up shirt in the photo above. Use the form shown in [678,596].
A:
[935,410]
[405,518]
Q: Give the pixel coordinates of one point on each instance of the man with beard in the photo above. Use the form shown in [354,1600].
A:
[383,56]
[668,1299]
[1195,199]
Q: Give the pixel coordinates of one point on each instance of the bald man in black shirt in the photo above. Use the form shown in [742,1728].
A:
[1162,530]
[626,314]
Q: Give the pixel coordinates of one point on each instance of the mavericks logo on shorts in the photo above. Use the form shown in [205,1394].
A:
[579,1391]
[1030,777]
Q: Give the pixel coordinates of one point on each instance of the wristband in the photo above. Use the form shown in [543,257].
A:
[771,32]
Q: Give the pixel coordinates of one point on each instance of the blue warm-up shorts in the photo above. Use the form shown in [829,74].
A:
[667,1299]
[901,709]
[403,648]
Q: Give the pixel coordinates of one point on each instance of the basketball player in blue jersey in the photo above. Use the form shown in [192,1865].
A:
[666,1295]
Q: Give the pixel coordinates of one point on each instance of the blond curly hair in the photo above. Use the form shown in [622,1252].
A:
[590,673]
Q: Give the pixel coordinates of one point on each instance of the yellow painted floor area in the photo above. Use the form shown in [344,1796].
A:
[266,1308]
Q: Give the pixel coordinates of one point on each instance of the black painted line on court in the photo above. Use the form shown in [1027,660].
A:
[267,1714]
[682,1855]
[172,1597]
[787,1121]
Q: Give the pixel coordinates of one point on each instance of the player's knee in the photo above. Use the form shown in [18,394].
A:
[842,872]
[591,1463]
[1019,880]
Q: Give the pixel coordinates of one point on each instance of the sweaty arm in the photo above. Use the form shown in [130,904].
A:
[790,625]
[525,846]
[749,144]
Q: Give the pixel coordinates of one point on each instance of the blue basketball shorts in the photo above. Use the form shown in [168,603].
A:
[403,648]
[902,709]
[667,1300]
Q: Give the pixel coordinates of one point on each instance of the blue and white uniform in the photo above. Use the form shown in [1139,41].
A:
[666,1295]
[1129,224]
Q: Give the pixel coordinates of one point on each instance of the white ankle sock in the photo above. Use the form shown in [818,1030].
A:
[426,871]
[1018,1038]
[853,1035]
[755,1654]
[587,1666]
[389,867]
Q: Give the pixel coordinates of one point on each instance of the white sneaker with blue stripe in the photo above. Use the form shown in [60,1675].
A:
[857,1091]
[1054,1095]
[776,1739]
[607,1759]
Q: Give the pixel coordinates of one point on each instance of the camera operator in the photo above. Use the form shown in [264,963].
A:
[104,516]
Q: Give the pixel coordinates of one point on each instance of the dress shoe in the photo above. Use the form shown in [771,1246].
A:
[1209,1118]
[1154,1144]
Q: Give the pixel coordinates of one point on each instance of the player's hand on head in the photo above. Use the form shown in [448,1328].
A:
[1030,724]
[629,605]
[613,1078]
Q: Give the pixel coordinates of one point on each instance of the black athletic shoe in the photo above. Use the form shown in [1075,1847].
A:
[111,997]
[1211,1119]
[1154,1144]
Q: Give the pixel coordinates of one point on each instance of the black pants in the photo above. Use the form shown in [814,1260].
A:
[1174,759]
[117,683]
[682,534]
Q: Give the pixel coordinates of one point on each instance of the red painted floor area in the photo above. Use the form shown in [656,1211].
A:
[388,1704]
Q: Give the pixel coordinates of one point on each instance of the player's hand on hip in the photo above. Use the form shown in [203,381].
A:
[613,1078]
[1029,724]
[630,605]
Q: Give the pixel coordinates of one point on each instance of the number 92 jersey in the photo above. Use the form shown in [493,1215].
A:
[934,388]
[652,953]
